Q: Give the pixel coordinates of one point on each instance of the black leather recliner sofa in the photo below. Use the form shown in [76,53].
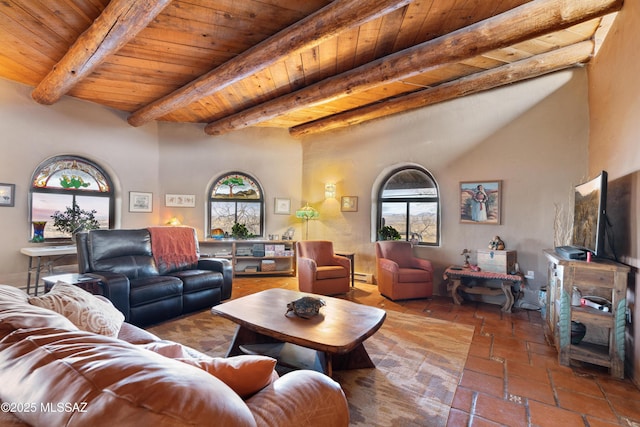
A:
[144,291]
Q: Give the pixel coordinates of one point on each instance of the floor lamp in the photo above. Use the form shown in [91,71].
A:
[307,212]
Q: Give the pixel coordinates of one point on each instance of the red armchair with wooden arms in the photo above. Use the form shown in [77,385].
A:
[400,274]
[320,270]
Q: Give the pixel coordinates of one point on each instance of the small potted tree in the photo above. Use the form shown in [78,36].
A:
[74,220]
[240,231]
[388,233]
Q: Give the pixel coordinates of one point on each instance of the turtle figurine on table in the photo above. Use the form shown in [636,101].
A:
[305,307]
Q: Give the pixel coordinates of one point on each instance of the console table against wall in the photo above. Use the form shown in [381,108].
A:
[246,262]
[600,278]
[52,253]
[455,276]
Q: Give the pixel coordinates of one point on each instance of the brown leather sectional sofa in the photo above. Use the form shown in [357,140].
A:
[53,374]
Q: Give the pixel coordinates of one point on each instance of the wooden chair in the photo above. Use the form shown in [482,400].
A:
[320,270]
[400,274]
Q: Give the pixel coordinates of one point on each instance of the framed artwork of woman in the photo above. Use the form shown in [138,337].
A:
[480,202]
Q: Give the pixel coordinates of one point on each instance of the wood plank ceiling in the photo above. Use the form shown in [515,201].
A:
[310,66]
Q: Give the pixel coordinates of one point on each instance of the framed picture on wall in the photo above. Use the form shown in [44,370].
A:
[140,202]
[282,206]
[180,200]
[7,194]
[480,202]
[349,204]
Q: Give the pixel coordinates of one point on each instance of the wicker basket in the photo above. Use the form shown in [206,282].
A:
[268,265]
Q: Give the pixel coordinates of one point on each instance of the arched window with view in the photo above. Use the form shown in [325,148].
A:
[409,204]
[70,194]
[236,198]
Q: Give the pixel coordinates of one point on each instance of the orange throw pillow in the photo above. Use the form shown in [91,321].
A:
[246,374]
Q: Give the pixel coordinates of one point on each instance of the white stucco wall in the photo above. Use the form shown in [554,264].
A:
[614,101]
[532,136]
[31,133]
[190,161]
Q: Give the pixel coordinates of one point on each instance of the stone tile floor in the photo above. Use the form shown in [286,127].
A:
[512,376]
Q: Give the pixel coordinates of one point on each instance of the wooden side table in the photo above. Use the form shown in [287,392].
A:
[352,258]
[455,275]
[88,282]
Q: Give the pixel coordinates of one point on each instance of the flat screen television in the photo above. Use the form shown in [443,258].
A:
[589,215]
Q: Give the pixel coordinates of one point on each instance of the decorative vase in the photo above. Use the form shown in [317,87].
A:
[38,231]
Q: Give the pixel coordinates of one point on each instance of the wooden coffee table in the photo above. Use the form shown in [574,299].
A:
[331,340]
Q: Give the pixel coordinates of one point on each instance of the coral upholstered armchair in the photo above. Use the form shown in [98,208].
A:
[320,270]
[400,274]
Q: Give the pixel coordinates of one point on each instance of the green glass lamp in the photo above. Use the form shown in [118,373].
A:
[307,212]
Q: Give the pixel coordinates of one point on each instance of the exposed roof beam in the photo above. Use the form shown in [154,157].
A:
[518,71]
[327,22]
[118,23]
[529,20]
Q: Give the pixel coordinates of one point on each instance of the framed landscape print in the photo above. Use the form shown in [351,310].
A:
[282,206]
[349,204]
[480,202]
[140,202]
[7,194]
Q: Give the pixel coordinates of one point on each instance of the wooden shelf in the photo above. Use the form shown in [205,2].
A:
[601,278]
[591,353]
[285,265]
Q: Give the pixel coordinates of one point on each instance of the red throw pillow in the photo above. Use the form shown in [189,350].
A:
[246,374]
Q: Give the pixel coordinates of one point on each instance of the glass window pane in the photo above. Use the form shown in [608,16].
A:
[71,174]
[249,215]
[395,215]
[45,205]
[55,184]
[423,221]
[98,204]
[409,202]
[223,215]
[409,183]
[236,197]
[235,186]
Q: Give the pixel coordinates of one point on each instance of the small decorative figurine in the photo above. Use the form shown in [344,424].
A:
[497,244]
[466,253]
[305,307]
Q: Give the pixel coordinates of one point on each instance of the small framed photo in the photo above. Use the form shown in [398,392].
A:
[180,200]
[140,202]
[349,204]
[282,206]
[480,202]
[7,194]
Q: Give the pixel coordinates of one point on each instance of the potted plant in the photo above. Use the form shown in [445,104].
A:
[240,231]
[388,233]
[74,219]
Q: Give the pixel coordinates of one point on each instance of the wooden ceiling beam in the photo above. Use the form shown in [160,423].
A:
[118,23]
[524,69]
[521,23]
[327,22]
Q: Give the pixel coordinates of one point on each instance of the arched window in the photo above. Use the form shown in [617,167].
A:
[66,181]
[236,198]
[409,201]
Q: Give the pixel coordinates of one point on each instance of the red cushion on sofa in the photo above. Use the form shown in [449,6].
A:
[245,374]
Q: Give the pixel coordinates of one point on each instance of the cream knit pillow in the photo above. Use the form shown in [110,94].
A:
[83,309]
